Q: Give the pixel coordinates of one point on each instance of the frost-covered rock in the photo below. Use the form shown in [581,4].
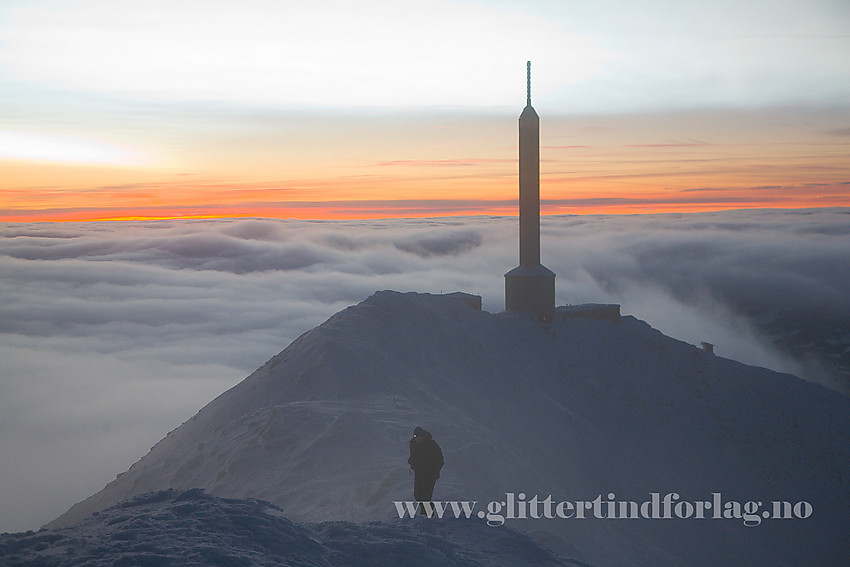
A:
[190,528]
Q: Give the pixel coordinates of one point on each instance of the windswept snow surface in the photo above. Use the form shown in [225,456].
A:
[189,528]
[576,409]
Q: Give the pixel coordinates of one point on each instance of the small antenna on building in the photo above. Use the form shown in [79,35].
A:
[528,83]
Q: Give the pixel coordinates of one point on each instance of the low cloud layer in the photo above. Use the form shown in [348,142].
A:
[112,334]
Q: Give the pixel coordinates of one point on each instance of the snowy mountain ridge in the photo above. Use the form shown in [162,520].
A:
[573,409]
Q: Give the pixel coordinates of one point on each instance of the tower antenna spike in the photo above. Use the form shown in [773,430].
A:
[528,83]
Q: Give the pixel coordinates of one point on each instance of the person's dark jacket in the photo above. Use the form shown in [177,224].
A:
[426,457]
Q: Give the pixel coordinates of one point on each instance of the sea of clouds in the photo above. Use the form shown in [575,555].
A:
[112,334]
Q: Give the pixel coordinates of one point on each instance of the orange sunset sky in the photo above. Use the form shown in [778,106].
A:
[394,109]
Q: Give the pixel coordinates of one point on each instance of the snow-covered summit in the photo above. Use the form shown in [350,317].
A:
[575,409]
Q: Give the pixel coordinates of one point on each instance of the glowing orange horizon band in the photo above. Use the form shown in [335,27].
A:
[348,211]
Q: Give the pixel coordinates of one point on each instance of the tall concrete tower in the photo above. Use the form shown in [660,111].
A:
[530,286]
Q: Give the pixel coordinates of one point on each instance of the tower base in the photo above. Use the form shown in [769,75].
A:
[531,290]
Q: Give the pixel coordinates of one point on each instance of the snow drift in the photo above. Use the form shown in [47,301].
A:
[574,409]
[190,528]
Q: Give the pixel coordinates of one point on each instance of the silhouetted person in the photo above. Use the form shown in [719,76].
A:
[426,460]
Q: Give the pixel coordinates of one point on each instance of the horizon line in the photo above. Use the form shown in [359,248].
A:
[622,210]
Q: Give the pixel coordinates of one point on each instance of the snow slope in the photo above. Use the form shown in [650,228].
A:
[190,528]
[575,409]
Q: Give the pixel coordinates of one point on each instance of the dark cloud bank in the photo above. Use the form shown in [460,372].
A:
[112,334]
